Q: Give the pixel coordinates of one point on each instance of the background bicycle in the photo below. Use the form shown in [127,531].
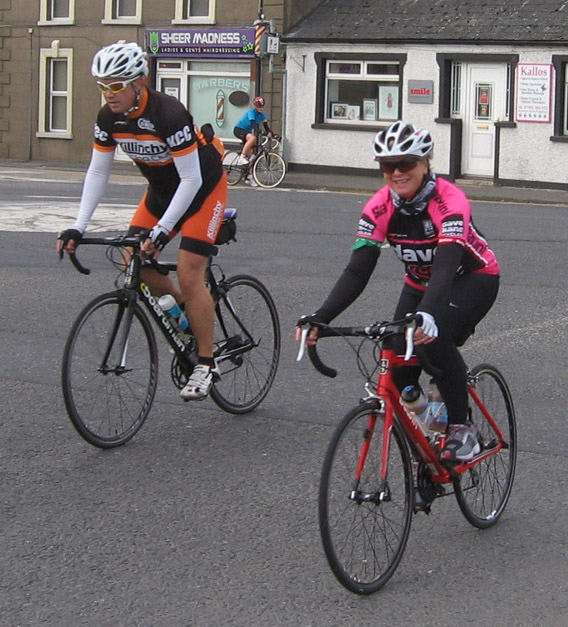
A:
[110,361]
[382,464]
[266,165]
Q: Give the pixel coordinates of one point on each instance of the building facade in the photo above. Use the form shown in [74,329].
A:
[207,53]
[489,80]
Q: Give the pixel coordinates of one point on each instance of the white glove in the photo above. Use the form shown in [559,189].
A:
[428,325]
[159,236]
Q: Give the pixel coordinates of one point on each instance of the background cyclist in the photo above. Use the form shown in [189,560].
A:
[249,126]
[451,274]
[187,188]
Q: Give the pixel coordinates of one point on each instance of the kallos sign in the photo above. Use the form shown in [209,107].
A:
[421,92]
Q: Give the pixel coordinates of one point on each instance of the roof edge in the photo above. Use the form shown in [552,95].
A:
[479,42]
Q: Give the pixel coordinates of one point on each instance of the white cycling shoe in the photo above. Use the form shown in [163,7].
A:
[199,384]
[250,181]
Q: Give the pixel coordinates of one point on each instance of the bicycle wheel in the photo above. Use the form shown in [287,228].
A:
[247,344]
[269,169]
[108,395]
[232,167]
[483,491]
[365,524]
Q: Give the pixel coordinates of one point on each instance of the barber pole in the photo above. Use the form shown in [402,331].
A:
[220,115]
[259,29]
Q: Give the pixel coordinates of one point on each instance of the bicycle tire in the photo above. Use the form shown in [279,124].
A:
[246,344]
[364,540]
[483,491]
[232,167]
[269,170]
[108,405]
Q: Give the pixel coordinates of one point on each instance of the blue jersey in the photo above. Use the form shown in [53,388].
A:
[252,115]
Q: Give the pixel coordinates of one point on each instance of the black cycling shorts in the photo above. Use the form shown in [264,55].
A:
[241,133]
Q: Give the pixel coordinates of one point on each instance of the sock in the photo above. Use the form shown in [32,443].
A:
[206,361]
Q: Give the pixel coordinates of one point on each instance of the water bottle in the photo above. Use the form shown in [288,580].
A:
[438,413]
[415,401]
[169,305]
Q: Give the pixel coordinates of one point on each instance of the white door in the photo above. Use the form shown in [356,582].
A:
[171,79]
[485,102]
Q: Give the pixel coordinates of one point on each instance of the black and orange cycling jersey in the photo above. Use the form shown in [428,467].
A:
[160,129]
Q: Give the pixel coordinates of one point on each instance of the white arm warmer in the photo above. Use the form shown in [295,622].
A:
[189,172]
[94,187]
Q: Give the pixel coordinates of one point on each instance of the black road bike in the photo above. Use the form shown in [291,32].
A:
[110,361]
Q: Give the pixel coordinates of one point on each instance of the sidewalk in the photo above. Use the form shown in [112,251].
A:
[475,190]
[297,179]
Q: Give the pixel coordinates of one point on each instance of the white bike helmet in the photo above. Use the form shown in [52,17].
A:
[120,61]
[401,140]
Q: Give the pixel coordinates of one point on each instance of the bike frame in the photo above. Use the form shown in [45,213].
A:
[394,409]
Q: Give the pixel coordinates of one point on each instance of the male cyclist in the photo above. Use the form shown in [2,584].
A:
[248,127]
[187,189]
[451,274]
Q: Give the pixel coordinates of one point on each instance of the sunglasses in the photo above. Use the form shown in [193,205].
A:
[388,167]
[115,87]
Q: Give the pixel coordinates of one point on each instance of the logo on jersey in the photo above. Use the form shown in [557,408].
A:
[181,137]
[149,151]
[453,226]
[429,229]
[365,228]
[379,211]
[146,125]
[214,222]
[101,135]
[421,256]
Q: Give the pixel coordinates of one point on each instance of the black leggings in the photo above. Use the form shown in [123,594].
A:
[471,297]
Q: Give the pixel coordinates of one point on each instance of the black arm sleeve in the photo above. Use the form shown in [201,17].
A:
[350,284]
[266,127]
[447,260]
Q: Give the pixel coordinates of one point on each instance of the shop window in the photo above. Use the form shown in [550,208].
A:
[215,91]
[194,12]
[560,63]
[123,12]
[53,12]
[55,97]
[362,90]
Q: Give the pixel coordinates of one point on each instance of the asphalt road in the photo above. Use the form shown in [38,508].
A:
[207,519]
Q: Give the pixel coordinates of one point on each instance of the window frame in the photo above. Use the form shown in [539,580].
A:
[47,55]
[110,18]
[323,60]
[560,120]
[200,19]
[44,19]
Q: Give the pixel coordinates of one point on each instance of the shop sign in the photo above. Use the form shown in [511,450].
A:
[206,43]
[421,92]
[534,92]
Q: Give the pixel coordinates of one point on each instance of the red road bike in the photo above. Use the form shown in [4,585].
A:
[382,465]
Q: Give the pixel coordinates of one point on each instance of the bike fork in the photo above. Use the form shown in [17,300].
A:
[383,494]
[122,325]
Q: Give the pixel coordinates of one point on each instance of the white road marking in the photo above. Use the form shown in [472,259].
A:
[34,217]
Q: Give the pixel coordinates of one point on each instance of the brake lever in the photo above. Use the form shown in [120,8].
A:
[302,348]
[409,338]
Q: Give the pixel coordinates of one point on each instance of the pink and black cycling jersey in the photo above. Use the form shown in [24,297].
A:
[414,239]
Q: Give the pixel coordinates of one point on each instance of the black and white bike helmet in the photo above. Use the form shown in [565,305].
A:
[120,61]
[401,140]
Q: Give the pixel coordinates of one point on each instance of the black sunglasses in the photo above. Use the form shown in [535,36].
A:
[405,165]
